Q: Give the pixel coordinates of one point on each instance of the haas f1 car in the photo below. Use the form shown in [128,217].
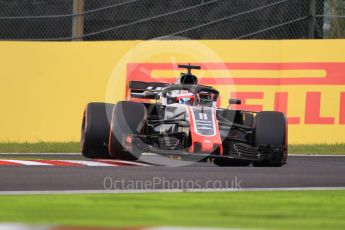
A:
[183,121]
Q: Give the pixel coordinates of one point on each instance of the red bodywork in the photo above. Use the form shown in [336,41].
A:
[204,143]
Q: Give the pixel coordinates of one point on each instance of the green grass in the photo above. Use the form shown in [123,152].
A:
[336,149]
[40,147]
[74,147]
[256,210]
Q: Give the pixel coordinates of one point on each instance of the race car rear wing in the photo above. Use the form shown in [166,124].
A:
[146,90]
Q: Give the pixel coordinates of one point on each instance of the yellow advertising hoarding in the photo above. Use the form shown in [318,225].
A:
[45,86]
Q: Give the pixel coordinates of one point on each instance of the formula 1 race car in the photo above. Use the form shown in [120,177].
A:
[182,121]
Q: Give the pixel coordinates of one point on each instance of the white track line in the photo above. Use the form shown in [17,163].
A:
[89,163]
[134,163]
[149,154]
[105,163]
[17,226]
[26,162]
[69,192]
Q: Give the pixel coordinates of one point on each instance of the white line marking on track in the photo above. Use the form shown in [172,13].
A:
[26,162]
[68,192]
[134,163]
[90,163]
[17,226]
[95,163]
[149,154]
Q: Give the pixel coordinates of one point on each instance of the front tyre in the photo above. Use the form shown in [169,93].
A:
[128,118]
[270,128]
[95,130]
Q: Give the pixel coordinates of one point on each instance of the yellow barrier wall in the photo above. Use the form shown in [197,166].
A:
[45,86]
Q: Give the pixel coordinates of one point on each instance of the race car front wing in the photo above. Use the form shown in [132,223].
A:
[238,151]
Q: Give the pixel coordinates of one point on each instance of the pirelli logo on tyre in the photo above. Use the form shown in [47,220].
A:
[309,93]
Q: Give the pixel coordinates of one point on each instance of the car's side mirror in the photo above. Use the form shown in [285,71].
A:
[234,101]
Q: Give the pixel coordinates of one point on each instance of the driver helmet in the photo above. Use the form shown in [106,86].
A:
[187,99]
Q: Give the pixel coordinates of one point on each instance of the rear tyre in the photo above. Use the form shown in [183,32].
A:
[128,118]
[95,130]
[270,129]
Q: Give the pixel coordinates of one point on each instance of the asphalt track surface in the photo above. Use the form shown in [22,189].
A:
[300,172]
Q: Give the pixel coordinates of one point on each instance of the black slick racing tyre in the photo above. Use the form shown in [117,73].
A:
[128,118]
[270,128]
[95,130]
